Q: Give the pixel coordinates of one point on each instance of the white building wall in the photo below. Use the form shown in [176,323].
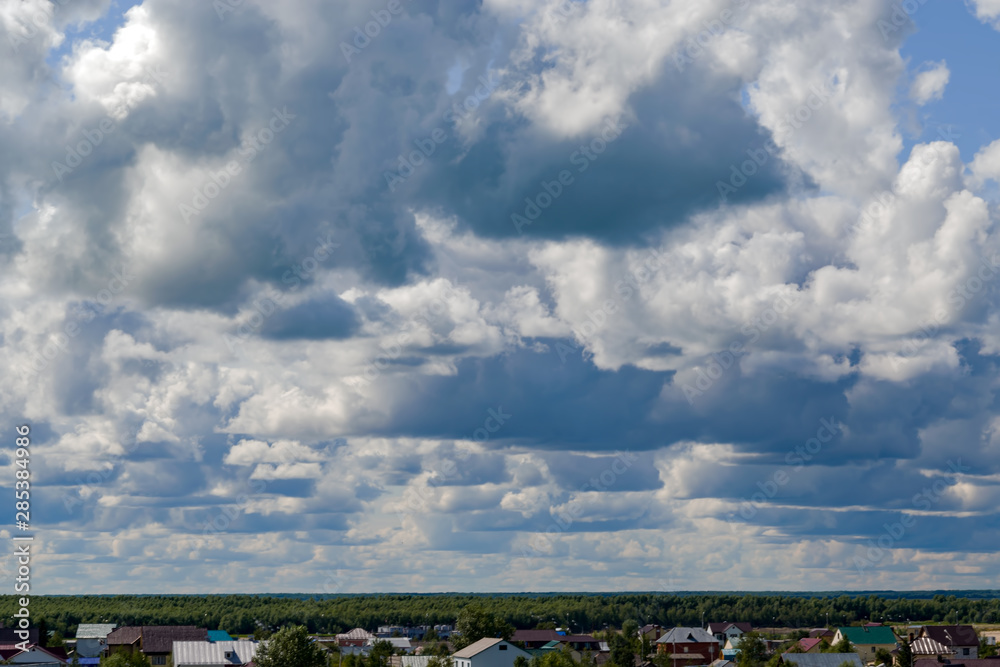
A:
[498,655]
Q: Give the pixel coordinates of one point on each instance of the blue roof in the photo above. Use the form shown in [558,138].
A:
[89,661]
[218,636]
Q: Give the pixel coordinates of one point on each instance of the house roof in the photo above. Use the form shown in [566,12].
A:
[397,642]
[356,633]
[687,635]
[161,638]
[127,634]
[219,636]
[94,630]
[7,652]
[214,653]
[549,635]
[808,643]
[821,659]
[475,648]
[536,636]
[957,662]
[877,635]
[722,627]
[821,632]
[57,651]
[928,646]
[952,635]
[414,660]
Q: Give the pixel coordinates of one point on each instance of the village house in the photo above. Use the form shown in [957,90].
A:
[688,647]
[726,631]
[811,644]
[91,638]
[156,642]
[355,637]
[867,640]
[925,647]
[488,652]
[961,639]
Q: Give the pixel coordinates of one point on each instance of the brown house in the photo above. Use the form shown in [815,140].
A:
[688,647]
[961,639]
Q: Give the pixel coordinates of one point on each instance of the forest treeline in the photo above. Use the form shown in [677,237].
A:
[243,614]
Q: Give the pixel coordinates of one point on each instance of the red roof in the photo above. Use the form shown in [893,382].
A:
[808,643]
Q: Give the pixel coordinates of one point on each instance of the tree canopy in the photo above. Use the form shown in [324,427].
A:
[290,647]
[243,614]
[475,622]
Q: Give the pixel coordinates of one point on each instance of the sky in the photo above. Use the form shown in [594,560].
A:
[509,295]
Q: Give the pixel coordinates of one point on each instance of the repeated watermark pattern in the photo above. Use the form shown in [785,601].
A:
[58,343]
[427,146]
[381,18]
[719,363]
[625,289]
[265,306]
[77,153]
[740,175]
[900,17]
[543,543]
[38,21]
[695,47]
[418,499]
[219,180]
[893,533]
[581,158]
[392,350]
[796,459]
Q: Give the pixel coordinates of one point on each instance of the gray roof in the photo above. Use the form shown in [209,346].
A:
[686,635]
[415,660]
[214,653]
[821,659]
[94,630]
[475,648]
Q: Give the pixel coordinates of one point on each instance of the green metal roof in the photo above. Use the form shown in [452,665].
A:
[881,634]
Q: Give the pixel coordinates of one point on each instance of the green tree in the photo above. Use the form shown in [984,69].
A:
[475,622]
[520,661]
[380,653]
[843,646]
[123,659]
[431,635]
[987,650]
[883,657]
[56,640]
[905,656]
[752,650]
[621,651]
[630,630]
[290,647]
